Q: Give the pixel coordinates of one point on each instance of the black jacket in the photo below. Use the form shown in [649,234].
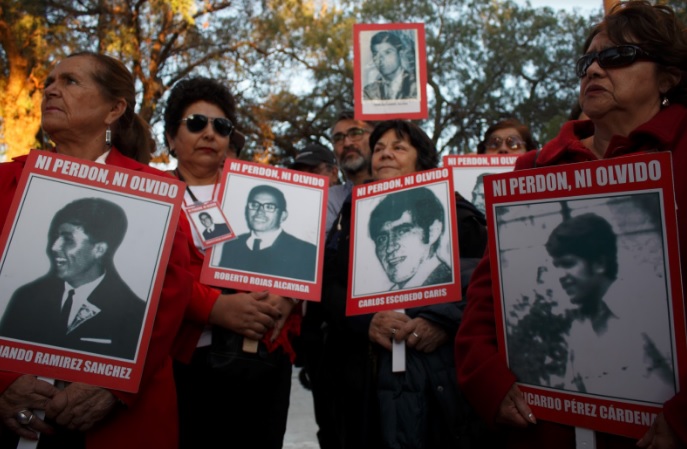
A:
[422,407]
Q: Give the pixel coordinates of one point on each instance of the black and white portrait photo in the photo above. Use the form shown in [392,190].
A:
[477,193]
[212,230]
[76,288]
[390,67]
[406,233]
[468,173]
[277,228]
[210,224]
[577,277]
[390,76]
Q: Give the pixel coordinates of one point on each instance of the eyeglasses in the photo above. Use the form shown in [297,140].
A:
[609,58]
[355,134]
[267,207]
[512,142]
[195,123]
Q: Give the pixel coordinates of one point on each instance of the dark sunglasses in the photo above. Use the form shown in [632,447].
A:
[195,123]
[609,58]
[512,142]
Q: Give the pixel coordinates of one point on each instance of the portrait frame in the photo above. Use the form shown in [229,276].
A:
[152,205]
[211,208]
[607,389]
[413,61]
[468,171]
[370,289]
[306,200]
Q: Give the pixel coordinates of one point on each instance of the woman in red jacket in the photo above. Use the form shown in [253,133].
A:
[88,110]
[211,368]
[633,87]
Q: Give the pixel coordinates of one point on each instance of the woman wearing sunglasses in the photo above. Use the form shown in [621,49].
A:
[248,406]
[633,87]
[507,136]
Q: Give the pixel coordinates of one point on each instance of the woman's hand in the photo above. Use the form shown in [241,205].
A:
[514,410]
[421,335]
[660,436]
[285,306]
[384,326]
[26,393]
[80,406]
[249,314]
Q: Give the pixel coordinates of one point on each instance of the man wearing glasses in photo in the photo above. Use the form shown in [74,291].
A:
[267,248]
[212,230]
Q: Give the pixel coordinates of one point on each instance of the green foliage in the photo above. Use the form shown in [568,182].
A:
[487,60]
[290,62]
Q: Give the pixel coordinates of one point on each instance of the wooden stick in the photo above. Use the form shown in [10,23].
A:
[398,353]
[585,438]
[250,346]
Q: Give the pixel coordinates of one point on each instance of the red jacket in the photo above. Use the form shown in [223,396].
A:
[150,416]
[200,306]
[482,373]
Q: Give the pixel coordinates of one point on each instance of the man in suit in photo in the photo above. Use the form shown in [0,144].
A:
[406,227]
[393,81]
[82,303]
[267,248]
[212,229]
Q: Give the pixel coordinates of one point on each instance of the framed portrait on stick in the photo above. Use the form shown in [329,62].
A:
[404,246]
[279,219]
[587,288]
[84,252]
[390,71]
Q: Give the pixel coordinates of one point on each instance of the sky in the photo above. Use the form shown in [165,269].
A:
[584,5]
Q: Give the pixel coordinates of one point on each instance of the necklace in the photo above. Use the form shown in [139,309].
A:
[196,201]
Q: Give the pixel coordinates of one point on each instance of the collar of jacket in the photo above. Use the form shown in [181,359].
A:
[655,134]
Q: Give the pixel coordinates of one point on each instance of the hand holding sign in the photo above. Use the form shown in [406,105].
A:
[422,335]
[385,326]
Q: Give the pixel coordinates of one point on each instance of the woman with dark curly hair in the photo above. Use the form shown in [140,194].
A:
[379,408]
[252,388]
[633,88]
